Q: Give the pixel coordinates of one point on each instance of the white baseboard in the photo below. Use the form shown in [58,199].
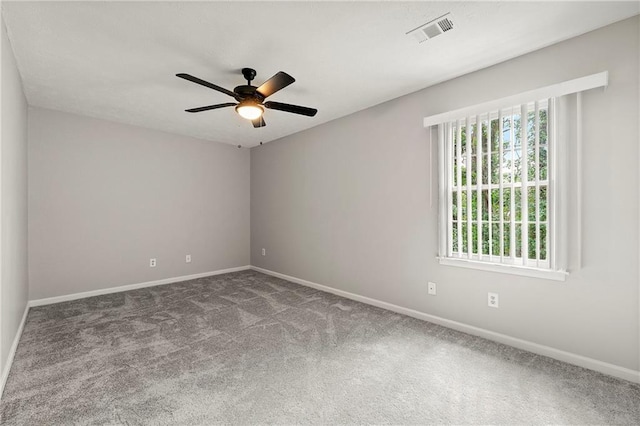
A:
[84,294]
[568,357]
[12,351]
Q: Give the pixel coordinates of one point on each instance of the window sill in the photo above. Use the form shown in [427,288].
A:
[505,269]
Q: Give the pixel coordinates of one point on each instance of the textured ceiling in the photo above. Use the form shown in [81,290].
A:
[118,60]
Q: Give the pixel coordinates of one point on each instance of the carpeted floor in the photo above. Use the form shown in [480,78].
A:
[246,348]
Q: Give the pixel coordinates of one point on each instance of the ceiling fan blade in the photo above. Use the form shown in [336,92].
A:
[209,107]
[275,83]
[296,109]
[206,84]
[258,122]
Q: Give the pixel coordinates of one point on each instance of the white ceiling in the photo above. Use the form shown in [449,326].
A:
[118,60]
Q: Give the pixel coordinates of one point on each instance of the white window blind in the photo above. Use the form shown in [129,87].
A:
[498,185]
[502,186]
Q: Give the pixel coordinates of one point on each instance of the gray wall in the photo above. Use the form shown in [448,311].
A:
[13,201]
[104,198]
[347,204]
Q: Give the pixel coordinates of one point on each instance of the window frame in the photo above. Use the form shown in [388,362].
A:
[490,262]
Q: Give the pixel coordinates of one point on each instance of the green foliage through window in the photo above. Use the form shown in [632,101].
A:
[500,187]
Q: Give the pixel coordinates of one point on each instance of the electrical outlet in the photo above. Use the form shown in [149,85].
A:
[152,263]
[431,288]
[264,251]
[188,258]
[493,300]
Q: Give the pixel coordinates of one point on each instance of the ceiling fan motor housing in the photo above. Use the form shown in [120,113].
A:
[246,91]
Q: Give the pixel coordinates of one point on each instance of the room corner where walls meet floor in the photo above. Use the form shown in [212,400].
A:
[592,364]
[248,347]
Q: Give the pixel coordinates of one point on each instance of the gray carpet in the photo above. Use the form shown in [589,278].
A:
[247,348]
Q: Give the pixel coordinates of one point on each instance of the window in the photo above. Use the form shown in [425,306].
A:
[498,186]
[504,177]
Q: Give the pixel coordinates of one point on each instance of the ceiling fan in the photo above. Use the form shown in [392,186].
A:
[250,98]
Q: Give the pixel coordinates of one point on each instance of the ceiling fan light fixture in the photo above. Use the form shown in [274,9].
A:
[249,110]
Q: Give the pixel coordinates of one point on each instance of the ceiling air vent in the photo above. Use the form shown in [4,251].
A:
[433,28]
[445,24]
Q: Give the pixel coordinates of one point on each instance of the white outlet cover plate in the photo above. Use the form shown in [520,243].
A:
[493,300]
[432,288]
